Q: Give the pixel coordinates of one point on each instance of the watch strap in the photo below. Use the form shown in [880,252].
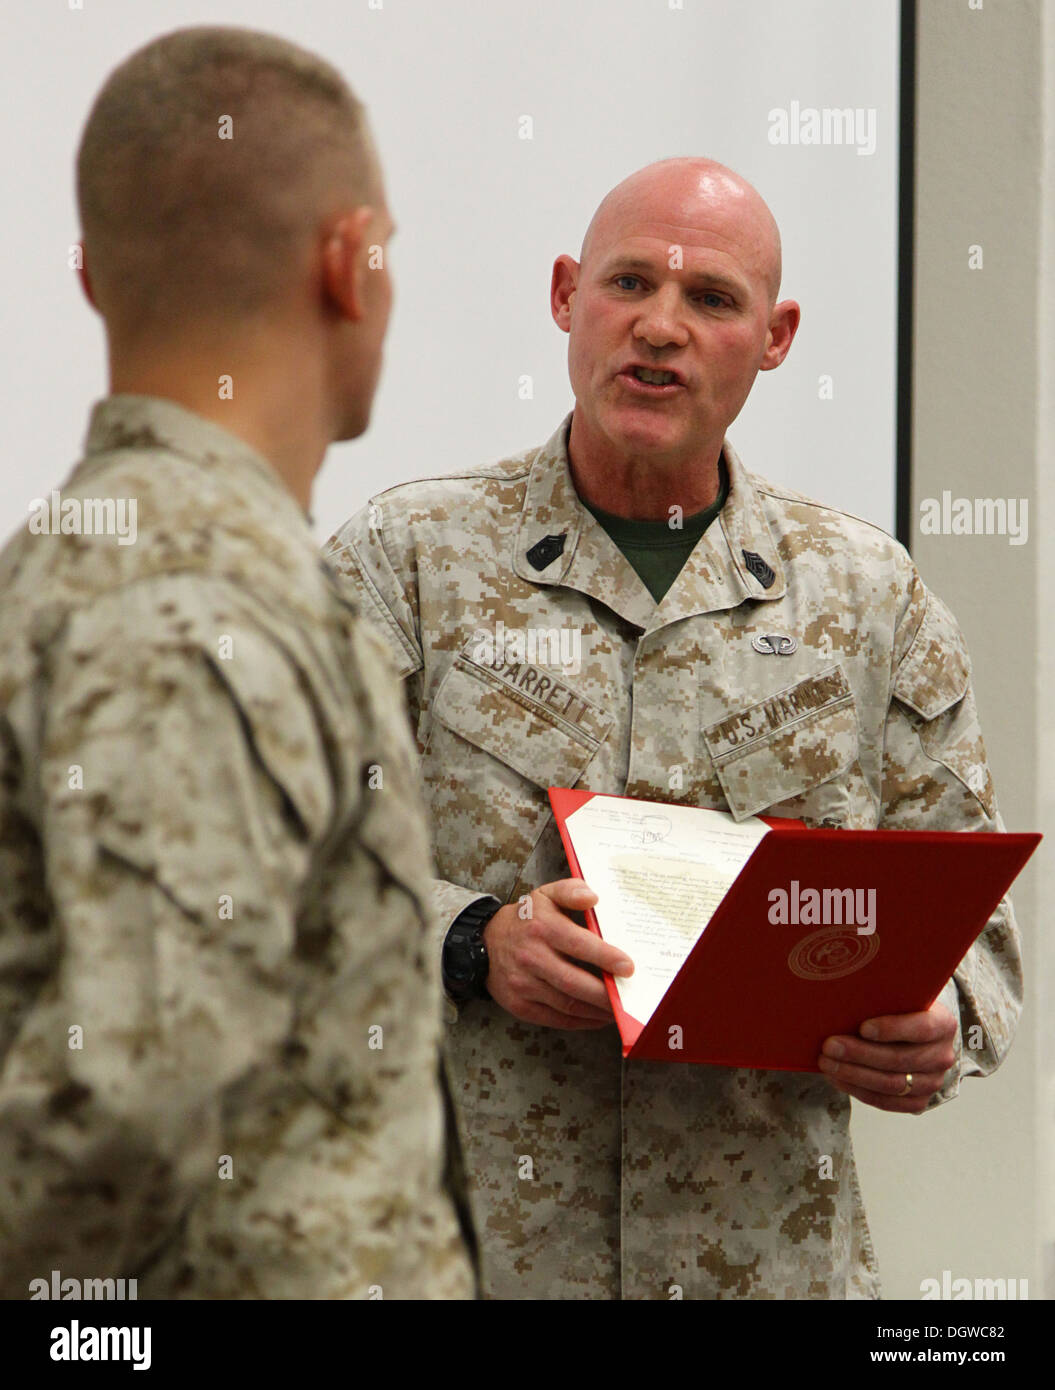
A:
[465,963]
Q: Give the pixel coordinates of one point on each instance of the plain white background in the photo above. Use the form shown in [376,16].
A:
[610,85]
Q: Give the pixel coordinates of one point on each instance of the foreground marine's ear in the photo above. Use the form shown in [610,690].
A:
[343,266]
[562,289]
[85,278]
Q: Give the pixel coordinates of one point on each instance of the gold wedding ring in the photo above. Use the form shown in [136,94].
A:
[908,1084]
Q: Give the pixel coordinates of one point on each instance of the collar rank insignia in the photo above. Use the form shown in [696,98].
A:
[759,568]
[545,551]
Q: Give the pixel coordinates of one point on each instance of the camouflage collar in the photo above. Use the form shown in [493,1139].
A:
[559,542]
[152,422]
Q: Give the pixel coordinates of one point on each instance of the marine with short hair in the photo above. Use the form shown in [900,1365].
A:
[220,1014]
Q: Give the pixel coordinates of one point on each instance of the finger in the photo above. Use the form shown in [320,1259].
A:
[580,943]
[926,1027]
[554,1018]
[574,893]
[557,976]
[882,1083]
[563,1002]
[894,1057]
[911,1104]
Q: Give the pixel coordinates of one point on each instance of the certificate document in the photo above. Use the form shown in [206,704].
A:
[754,940]
[659,872]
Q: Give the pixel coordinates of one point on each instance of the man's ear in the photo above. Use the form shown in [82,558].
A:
[86,279]
[783,325]
[343,265]
[562,289]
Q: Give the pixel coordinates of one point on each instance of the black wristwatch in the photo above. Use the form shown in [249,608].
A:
[465,963]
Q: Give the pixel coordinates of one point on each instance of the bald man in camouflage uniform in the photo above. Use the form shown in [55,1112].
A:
[220,1015]
[770,656]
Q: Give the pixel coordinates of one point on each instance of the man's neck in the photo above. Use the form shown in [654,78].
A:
[271,407]
[640,488]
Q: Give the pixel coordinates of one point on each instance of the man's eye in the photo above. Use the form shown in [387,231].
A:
[621,279]
[713,294]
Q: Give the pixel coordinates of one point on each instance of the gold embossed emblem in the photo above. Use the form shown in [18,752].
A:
[831,953]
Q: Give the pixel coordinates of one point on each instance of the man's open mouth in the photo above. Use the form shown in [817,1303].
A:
[650,381]
[654,378]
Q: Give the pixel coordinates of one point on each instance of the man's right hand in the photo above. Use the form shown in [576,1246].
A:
[532,971]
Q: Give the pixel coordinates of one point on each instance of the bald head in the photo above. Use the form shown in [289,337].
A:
[182,225]
[678,274]
[685,192]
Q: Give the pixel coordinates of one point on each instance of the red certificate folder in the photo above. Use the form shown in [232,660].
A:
[755,993]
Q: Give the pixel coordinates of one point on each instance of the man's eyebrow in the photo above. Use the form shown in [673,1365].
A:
[700,277]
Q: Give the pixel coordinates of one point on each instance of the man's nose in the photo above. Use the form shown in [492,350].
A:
[660,321]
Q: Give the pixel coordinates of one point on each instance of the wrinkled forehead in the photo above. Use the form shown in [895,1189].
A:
[712,219]
[695,246]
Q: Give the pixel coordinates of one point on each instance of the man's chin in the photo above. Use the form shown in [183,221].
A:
[352,428]
[646,431]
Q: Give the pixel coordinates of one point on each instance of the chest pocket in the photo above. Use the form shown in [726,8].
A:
[549,741]
[492,751]
[796,749]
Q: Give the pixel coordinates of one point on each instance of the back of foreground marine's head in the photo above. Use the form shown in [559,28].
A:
[209,158]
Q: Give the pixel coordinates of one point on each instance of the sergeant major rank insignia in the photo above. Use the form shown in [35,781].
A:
[545,551]
[759,568]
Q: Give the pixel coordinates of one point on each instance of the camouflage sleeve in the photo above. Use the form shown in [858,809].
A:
[935,777]
[178,796]
[359,555]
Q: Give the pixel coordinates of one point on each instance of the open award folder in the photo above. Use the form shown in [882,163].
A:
[753,941]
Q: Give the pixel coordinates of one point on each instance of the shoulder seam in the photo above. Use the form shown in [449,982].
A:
[480,475]
[768,489]
[375,594]
[140,582]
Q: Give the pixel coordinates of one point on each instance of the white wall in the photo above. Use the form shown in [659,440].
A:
[968,1188]
[610,85]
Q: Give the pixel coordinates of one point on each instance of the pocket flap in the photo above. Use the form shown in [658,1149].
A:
[935,671]
[549,741]
[797,739]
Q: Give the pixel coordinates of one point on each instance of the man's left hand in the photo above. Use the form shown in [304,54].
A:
[873,1067]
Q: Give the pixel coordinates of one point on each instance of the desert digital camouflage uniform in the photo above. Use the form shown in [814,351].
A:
[227,908]
[650,1176]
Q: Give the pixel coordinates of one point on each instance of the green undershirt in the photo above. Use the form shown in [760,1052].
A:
[656,550]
